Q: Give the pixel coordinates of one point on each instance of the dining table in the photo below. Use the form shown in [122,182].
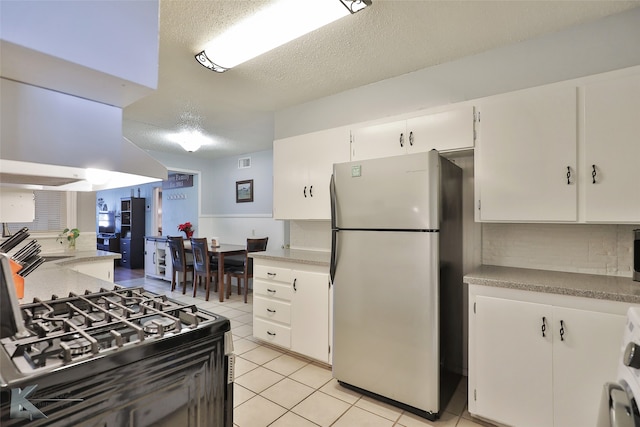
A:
[220,252]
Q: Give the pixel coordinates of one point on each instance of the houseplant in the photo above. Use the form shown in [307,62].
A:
[70,235]
[187,228]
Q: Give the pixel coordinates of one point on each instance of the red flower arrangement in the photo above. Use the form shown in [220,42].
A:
[187,228]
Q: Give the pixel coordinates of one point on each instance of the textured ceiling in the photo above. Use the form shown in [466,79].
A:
[390,38]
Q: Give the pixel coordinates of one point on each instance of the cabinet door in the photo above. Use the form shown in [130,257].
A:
[384,140]
[150,255]
[290,176]
[100,269]
[302,167]
[513,362]
[527,140]
[585,356]
[310,314]
[612,146]
[325,149]
[443,131]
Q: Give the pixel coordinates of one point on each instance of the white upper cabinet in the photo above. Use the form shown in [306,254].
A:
[531,164]
[525,159]
[377,141]
[612,150]
[447,130]
[302,168]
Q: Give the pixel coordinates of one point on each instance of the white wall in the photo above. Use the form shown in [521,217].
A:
[218,213]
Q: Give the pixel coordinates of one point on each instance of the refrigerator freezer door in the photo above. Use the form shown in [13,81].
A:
[392,193]
[386,318]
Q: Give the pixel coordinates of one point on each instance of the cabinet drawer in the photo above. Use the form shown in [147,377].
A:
[272,332]
[272,290]
[272,274]
[277,311]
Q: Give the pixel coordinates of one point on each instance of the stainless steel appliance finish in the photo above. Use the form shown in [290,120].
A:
[636,255]
[397,274]
[619,404]
[120,357]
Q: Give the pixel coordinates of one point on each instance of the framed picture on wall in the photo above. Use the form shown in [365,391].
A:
[244,191]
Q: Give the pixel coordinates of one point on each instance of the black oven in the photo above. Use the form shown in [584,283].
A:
[120,357]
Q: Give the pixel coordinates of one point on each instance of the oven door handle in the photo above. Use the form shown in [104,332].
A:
[615,408]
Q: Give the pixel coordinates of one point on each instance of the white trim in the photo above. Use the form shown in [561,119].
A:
[72,209]
[237,216]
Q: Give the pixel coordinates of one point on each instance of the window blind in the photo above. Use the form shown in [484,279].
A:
[51,213]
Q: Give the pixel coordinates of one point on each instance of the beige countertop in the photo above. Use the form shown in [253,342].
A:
[574,284]
[55,278]
[295,255]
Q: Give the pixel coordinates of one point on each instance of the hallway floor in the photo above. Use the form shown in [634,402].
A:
[276,388]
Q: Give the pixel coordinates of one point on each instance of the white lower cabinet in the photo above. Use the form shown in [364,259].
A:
[157,259]
[291,307]
[537,363]
[100,269]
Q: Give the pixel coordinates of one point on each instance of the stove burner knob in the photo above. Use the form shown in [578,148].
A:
[631,356]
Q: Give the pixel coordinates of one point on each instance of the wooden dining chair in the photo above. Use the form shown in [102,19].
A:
[245,272]
[179,262]
[203,266]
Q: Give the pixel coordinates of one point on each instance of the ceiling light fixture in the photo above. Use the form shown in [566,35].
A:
[190,140]
[271,27]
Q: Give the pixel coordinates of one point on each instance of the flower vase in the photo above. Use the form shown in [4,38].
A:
[189,233]
[72,244]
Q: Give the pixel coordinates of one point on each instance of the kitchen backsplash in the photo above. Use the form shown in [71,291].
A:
[577,248]
[310,235]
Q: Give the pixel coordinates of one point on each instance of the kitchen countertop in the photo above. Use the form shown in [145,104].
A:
[53,278]
[574,284]
[295,255]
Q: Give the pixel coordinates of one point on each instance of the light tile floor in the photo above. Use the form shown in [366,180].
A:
[280,389]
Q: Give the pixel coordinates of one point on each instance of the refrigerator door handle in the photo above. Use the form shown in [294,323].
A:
[332,197]
[334,255]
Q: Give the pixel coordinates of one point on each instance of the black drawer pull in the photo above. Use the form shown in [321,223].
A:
[273,291]
[271,274]
[273,334]
[270,310]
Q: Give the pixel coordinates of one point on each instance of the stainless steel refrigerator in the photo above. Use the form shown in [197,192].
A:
[396,266]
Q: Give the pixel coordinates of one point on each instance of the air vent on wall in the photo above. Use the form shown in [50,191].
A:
[244,163]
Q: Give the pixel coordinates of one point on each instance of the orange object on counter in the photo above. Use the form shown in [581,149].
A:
[18,281]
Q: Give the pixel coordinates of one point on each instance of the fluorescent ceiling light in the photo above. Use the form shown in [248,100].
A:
[273,26]
[190,140]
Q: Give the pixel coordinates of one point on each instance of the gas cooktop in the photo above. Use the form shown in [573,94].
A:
[67,330]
